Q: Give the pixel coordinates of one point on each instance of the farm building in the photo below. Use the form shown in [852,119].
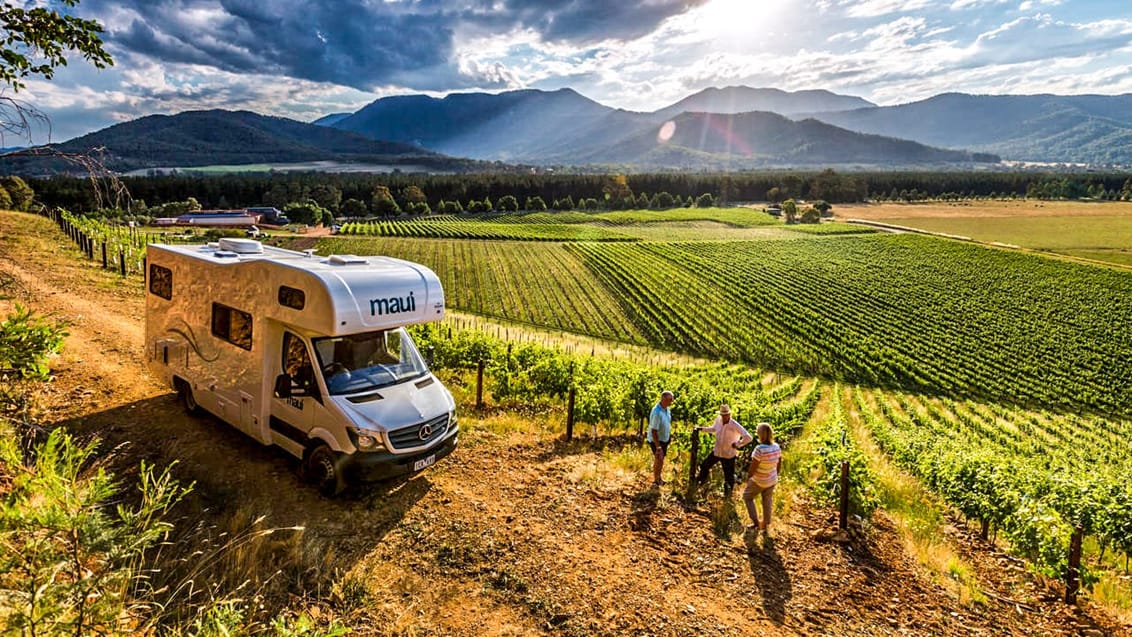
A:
[222,218]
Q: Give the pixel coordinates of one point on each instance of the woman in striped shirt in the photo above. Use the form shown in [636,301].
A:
[766,461]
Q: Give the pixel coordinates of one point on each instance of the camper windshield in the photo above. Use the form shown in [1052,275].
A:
[360,362]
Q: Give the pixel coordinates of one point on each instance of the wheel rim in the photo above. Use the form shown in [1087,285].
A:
[324,473]
[190,401]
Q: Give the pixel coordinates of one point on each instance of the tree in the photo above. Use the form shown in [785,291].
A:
[662,201]
[418,208]
[507,203]
[790,211]
[327,196]
[705,200]
[616,190]
[354,208]
[36,41]
[535,203]
[5,199]
[449,207]
[810,215]
[306,211]
[774,195]
[382,202]
[412,194]
[823,207]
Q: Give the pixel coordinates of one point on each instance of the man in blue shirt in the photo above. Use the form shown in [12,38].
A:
[660,433]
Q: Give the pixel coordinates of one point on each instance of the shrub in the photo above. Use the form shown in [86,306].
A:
[71,559]
[26,343]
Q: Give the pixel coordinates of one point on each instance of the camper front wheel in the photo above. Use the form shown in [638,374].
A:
[187,399]
[324,470]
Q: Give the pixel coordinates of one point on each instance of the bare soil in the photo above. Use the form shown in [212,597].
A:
[515,533]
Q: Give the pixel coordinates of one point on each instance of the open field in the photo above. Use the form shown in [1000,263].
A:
[1098,231]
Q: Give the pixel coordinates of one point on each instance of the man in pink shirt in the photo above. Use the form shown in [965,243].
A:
[729,438]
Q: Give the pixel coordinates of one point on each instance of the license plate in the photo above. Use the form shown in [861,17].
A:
[424,463]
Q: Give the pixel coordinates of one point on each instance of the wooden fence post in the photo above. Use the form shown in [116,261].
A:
[843,508]
[1073,573]
[104,262]
[479,384]
[122,262]
[694,462]
[570,413]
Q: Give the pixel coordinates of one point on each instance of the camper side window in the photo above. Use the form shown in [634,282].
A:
[232,325]
[292,297]
[161,281]
[297,364]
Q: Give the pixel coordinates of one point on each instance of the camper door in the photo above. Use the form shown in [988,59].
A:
[294,400]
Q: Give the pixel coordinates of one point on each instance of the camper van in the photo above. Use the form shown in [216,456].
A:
[303,352]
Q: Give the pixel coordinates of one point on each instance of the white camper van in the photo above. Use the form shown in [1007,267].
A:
[304,352]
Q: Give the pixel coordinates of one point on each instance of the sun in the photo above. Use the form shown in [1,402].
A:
[738,18]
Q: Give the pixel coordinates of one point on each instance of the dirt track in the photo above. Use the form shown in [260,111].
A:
[515,534]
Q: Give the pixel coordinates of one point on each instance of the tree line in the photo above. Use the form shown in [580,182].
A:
[353,194]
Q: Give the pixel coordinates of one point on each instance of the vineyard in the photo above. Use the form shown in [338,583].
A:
[1031,476]
[454,228]
[1001,380]
[626,225]
[876,310]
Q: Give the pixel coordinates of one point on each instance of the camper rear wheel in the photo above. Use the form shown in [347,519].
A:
[323,468]
[185,392]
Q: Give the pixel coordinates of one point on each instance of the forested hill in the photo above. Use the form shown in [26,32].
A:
[202,138]
[1044,128]
[758,139]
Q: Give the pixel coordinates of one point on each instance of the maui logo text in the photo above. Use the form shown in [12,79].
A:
[392,305]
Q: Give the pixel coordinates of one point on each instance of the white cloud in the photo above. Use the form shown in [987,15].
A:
[877,8]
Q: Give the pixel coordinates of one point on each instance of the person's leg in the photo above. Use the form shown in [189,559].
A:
[768,506]
[728,474]
[657,464]
[705,468]
[749,493]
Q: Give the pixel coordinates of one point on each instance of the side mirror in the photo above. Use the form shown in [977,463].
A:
[283,386]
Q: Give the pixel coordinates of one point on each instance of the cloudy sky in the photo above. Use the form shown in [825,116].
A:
[306,58]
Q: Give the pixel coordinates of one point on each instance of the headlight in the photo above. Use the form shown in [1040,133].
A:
[366,441]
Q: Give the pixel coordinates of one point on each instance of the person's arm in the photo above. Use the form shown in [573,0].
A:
[744,437]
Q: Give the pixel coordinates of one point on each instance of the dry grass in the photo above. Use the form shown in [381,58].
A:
[981,209]
[917,514]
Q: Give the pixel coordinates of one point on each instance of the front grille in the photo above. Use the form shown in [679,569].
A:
[410,437]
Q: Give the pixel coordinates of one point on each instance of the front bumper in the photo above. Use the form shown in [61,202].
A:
[383,465]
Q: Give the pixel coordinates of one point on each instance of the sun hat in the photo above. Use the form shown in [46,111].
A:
[724,410]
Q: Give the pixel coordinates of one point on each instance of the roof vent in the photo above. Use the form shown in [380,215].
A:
[345,259]
[241,246]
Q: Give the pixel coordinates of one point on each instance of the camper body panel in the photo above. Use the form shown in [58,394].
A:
[228,327]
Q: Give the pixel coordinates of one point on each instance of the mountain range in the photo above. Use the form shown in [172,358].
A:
[219,137]
[715,129]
